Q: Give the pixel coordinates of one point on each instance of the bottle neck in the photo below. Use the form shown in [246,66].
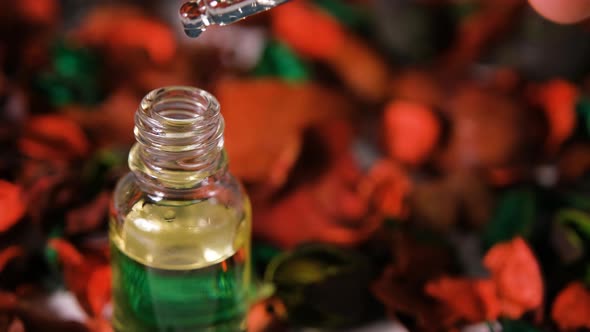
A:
[179,133]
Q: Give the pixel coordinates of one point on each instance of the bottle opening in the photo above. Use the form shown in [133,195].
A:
[179,133]
[185,105]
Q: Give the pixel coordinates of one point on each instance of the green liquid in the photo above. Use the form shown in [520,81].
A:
[203,299]
[180,269]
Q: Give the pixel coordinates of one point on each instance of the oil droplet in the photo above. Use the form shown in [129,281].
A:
[192,10]
[191,14]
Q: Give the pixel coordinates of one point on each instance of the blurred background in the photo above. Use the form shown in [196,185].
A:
[421,165]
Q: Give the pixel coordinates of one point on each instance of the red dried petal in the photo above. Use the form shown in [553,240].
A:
[488,23]
[92,273]
[67,253]
[89,216]
[559,99]
[12,205]
[268,315]
[8,301]
[480,116]
[41,11]
[574,162]
[158,40]
[411,131]
[418,86]
[53,137]
[388,185]
[16,326]
[308,30]
[99,289]
[336,192]
[99,325]
[517,275]
[8,254]
[369,77]
[327,210]
[468,299]
[115,28]
[571,309]
[254,127]
[504,176]
[120,104]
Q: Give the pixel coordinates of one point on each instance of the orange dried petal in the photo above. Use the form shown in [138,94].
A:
[411,131]
[41,11]
[316,212]
[115,28]
[492,19]
[267,315]
[472,300]
[389,186]
[308,30]
[53,137]
[158,39]
[418,86]
[12,205]
[574,162]
[571,309]
[16,326]
[335,192]
[256,127]
[369,77]
[503,176]
[99,289]
[8,301]
[559,99]
[67,253]
[99,325]
[517,275]
[88,217]
[8,254]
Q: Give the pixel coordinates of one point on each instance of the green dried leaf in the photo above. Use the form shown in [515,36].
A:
[579,219]
[517,326]
[263,254]
[578,201]
[583,111]
[322,285]
[567,243]
[279,60]
[73,76]
[514,215]
[351,16]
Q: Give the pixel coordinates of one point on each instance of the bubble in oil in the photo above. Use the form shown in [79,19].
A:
[169,215]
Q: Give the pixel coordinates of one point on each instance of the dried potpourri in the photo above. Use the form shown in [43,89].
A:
[571,309]
[420,161]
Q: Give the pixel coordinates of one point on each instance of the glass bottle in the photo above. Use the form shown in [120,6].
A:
[197,15]
[180,226]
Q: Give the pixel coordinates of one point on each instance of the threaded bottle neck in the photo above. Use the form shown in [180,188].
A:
[179,133]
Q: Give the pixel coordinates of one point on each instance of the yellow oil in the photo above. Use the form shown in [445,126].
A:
[181,266]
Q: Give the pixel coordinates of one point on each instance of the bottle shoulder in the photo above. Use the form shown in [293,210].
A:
[223,189]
